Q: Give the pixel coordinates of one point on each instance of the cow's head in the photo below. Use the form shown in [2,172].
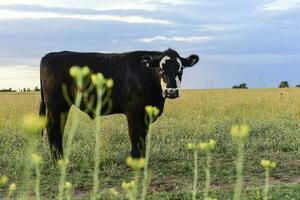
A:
[170,66]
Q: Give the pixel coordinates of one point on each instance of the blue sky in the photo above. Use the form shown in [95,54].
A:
[238,41]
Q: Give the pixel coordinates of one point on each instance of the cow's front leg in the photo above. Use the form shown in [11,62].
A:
[137,133]
[55,128]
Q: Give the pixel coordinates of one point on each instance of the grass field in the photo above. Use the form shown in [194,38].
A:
[272,114]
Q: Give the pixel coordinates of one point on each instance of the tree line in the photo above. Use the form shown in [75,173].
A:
[282,84]
[36,89]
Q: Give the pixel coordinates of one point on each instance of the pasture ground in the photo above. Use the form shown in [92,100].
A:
[273,115]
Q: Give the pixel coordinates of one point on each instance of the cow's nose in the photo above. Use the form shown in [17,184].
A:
[172,93]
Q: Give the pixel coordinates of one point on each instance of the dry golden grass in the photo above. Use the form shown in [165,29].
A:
[273,115]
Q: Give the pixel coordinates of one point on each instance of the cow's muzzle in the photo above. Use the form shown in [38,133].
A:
[171,93]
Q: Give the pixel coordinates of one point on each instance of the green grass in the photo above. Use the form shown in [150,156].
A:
[198,115]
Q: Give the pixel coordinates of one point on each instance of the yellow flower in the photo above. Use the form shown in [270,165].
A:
[85,71]
[109,83]
[62,162]
[240,133]
[191,146]
[235,130]
[207,146]
[203,146]
[128,185]
[273,164]
[36,159]
[3,180]
[98,80]
[78,72]
[12,187]
[152,111]
[267,164]
[244,129]
[113,192]
[135,164]
[33,123]
[212,144]
[74,71]
[68,185]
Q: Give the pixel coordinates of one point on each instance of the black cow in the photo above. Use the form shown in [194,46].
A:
[140,78]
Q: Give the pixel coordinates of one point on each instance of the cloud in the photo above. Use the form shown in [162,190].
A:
[148,5]
[191,39]
[280,5]
[15,15]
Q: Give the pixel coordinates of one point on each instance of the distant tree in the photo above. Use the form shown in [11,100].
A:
[284,84]
[241,86]
[7,90]
[36,89]
[298,85]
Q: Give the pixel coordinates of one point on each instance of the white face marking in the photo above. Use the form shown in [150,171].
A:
[163,87]
[163,61]
[178,83]
[180,64]
[164,84]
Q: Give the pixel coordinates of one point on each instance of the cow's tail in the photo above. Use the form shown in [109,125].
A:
[42,111]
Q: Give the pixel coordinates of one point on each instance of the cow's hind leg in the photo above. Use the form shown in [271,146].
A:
[55,129]
[137,133]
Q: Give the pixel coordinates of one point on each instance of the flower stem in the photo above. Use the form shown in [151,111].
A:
[267,185]
[239,170]
[97,146]
[195,174]
[147,156]
[68,147]
[207,174]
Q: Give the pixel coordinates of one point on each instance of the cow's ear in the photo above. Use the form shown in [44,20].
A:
[148,61]
[190,61]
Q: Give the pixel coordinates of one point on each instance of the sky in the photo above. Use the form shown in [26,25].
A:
[255,41]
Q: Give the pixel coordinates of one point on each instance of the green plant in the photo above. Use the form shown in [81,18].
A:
[37,161]
[69,190]
[79,75]
[152,112]
[131,187]
[100,85]
[3,181]
[11,190]
[239,135]
[32,125]
[207,147]
[267,165]
[194,148]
